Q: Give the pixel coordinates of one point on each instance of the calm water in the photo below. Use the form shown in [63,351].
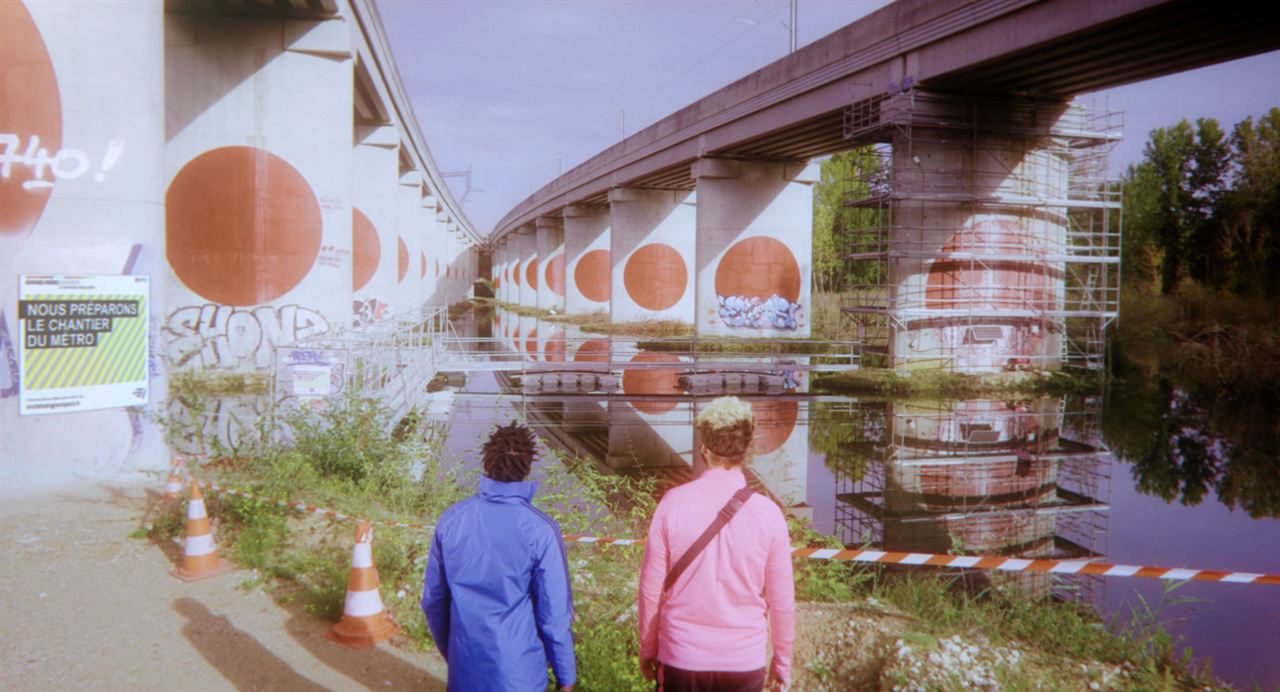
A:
[1143,475]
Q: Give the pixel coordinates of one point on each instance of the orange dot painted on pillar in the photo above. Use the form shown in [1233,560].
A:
[774,422]
[422,265]
[759,267]
[404,258]
[655,276]
[32,111]
[591,276]
[531,343]
[593,351]
[242,226]
[531,273]
[650,381]
[366,249]
[990,285]
[515,273]
[555,346]
[555,275]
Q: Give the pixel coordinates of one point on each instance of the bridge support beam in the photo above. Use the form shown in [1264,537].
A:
[755,228]
[653,242]
[526,267]
[373,218]
[587,266]
[550,274]
[409,243]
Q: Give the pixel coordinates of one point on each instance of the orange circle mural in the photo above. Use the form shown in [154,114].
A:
[593,351]
[555,275]
[591,275]
[642,381]
[774,422]
[422,265]
[32,110]
[365,249]
[555,346]
[531,273]
[992,285]
[515,273]
[655,276]
[242,226]
[404,258]
[759,267]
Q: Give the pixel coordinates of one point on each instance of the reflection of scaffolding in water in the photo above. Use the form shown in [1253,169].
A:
[986,477]
[981,232]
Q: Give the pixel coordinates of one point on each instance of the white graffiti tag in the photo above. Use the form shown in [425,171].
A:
[222,336]
[65,164]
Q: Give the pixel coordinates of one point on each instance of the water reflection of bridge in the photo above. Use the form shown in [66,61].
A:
[1020,478]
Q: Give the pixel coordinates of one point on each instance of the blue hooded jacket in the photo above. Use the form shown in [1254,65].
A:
[496,592]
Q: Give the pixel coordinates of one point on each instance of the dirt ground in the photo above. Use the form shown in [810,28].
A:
[86,607]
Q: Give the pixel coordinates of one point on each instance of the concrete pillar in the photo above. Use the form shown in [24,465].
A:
[975,286]
[256,130]
[525,272]
[88,83]
[587,265]
[503,268]
[432,292]
[373,212]
[551,267]
[409,243]
[755,228]
[653,244]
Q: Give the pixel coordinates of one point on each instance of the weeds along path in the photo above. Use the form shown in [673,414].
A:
[88,607]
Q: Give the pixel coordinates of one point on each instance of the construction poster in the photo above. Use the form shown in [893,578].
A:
[82,342]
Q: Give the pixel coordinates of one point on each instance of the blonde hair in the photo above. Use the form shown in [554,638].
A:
[726,426]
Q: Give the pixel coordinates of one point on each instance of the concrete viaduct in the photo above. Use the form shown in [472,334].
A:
[705,216]
[258,161]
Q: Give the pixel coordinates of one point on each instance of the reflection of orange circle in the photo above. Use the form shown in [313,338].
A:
[759,267]
[242,226]
[644,381]
[531,273]
[555,347]
[592,275]
[404,258]
[515,273]
[594,351]
[774,422]
[365,249]
[555,274]
[531,344]
[32,109]
[655,276]
[422,265]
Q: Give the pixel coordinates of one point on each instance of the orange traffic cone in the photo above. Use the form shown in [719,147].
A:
[173,486]
[364,621]
[199,554]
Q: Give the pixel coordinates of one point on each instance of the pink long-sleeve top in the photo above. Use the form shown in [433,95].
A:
[734,597]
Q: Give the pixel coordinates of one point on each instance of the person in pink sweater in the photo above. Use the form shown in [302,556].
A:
[712,629]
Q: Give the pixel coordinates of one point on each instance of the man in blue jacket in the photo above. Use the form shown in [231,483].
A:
[496,592]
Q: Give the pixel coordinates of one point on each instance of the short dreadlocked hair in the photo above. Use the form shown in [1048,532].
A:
[509,452]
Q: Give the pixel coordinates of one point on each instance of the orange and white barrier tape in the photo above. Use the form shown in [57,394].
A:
[1003,564]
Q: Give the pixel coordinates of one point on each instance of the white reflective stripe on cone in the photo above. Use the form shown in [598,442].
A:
[199,545]
[362,555]
[363,603]
[195,510]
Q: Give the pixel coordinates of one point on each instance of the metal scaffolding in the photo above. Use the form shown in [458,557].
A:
[976,223]
[1020,479]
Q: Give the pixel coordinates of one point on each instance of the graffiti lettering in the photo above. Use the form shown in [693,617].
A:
[223,336]
[333,256]
[367,311]
[65,164]
[301,357]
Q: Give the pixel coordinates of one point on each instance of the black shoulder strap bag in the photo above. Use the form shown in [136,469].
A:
[722,517]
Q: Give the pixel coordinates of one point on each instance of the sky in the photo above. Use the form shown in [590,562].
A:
[516,91]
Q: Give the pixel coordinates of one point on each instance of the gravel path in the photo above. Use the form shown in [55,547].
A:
[88,608]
